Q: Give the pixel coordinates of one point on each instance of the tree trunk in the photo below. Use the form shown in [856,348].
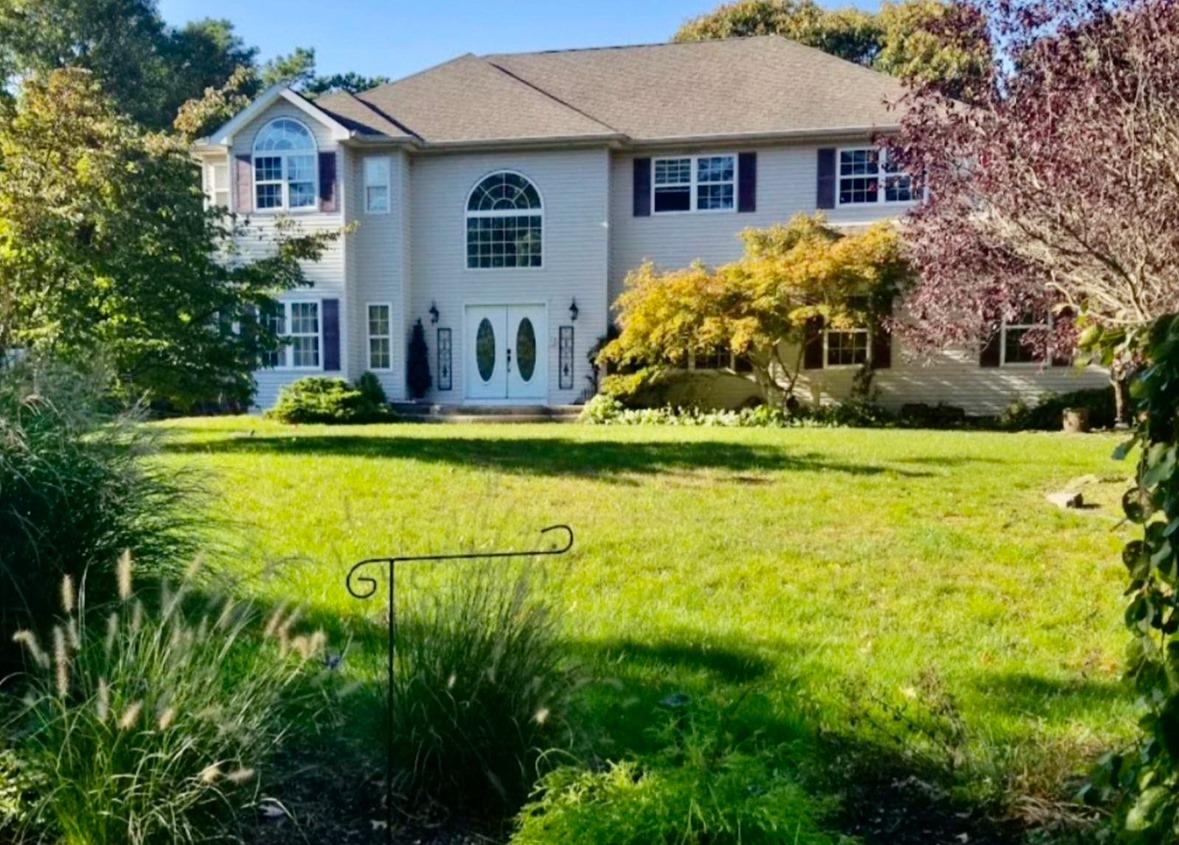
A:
[1119,377]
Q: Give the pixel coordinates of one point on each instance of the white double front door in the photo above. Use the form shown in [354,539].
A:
[507,352]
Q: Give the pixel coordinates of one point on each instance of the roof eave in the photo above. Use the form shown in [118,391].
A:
[224,135]
[793,135]
[612,139]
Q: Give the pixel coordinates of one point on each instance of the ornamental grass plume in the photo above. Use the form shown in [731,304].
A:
[180,702]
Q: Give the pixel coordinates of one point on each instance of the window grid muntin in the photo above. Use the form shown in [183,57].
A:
[380,339]
[706,183]
[377,170]
[846,347]
[304,335]
[866,176]
[498,234]
[1012,350]
[286,167]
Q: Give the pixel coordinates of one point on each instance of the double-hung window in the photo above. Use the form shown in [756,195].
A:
[1012,346]
[380,341]
[216,183]
[868,177]
[286,173]
[298,326]
[376,185]
[845,347]
[694,183]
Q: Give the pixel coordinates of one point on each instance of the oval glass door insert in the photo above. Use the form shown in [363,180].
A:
[485,349]
[526,349]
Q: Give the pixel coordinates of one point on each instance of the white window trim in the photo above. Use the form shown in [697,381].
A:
[880,177]
[369,336]
[209,170]
[388,186]
[695,172]
[1003,327]
[285,208]
[286,351]
[544,235]
[827,365]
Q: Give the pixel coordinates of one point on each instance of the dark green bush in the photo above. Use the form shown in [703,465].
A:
[75,492]
[941,415]
[321,399]
[481,692]
[1047,415]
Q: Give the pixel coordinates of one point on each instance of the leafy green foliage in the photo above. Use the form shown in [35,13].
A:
[1046,415]
[417,378]
[106,249]
[147,68]
[149,727]
[351,82]
[908,39]
[1148,778]
[76,490]
[699,789]
[605,409]
[482,689]
[322,399]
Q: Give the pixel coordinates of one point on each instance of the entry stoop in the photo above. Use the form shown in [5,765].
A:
[421,412]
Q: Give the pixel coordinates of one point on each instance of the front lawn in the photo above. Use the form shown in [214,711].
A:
[889,601]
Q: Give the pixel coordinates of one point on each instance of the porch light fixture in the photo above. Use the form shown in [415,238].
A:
[573,310]
[434,312]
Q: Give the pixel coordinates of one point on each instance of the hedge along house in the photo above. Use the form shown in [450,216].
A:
[501,200]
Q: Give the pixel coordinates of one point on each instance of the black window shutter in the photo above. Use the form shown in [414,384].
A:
[812,347]
[882,341]
[331,335]
[747,182]
[642,187]
[826,187]
[989,355]
[327,182]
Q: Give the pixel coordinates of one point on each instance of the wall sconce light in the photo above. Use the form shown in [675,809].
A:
[433,312]
[573,310]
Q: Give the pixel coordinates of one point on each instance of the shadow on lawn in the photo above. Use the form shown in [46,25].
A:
[543,456]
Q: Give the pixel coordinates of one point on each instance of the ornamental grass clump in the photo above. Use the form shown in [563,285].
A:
[153,721]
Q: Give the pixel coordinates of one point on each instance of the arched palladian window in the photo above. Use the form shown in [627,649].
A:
[285,166]
[504,217]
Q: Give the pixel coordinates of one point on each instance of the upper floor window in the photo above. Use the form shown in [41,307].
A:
[285,166]
[694,183]
[216,179]
[504,223]
[867,177]
[376,185]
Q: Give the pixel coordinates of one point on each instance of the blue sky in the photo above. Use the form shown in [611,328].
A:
[398,38]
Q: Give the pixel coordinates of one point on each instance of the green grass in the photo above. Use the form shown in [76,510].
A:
[825,578]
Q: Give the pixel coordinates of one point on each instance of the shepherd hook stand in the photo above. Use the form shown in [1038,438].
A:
[365,587]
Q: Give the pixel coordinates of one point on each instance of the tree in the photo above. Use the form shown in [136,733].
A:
[296,69]
[148,68]
[760,306]
[107,250]
[912,39]
[351,82]
[1055,189]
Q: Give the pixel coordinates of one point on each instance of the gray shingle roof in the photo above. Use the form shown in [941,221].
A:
[761,86]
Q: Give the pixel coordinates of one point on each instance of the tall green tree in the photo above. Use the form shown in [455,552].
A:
[107,249]
[912,39]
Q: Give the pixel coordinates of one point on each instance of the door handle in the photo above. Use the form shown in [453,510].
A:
[509,359]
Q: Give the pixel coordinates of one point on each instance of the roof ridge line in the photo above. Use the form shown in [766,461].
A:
[391,82]
[381,112]
[641,46]
[551,96]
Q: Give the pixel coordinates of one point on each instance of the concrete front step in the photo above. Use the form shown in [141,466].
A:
[422,412]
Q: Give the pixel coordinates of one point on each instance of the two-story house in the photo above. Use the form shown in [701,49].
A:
[502,200]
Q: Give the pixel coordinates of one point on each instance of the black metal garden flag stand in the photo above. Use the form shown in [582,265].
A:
[365,587]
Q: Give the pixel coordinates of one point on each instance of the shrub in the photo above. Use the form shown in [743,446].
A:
[606,410]
[152,727]
[1048,414]
[322,399]
[75,491]
[941,415]
[696,791]
[370,387]
[481,689]
[417,363]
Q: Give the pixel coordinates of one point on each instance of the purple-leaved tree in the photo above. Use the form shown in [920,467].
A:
[1053,185]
